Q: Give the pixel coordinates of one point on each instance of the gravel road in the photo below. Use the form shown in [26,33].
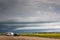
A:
[24,38]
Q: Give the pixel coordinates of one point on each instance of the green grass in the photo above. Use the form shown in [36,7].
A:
[43,35]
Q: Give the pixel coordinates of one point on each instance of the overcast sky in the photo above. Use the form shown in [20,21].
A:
[30,11]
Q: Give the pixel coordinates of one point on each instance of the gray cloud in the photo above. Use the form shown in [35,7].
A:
[29,8]
[28,11]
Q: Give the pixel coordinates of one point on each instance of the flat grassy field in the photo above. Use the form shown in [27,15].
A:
[43,35]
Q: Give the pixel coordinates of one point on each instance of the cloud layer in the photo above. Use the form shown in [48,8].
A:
[44,9]
[31,27]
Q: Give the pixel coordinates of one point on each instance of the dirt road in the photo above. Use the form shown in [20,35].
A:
[24,38]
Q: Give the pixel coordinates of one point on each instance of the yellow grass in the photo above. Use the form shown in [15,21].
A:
[43,35]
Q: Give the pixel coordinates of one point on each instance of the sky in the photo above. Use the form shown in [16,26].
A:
[46,10]
[31,11]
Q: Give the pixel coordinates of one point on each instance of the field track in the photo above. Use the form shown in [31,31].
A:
[24,38]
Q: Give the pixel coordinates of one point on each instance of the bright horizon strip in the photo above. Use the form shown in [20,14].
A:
[45,26]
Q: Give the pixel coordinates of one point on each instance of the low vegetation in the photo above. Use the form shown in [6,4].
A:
[47,35]
[43,35]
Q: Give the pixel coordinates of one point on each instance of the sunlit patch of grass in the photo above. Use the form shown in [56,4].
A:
[43,35]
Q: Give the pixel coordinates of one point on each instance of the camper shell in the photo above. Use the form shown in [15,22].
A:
[10,34]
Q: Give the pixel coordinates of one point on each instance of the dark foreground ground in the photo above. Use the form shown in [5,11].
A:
[24,38]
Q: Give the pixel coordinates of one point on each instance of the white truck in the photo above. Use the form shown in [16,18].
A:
[10,34]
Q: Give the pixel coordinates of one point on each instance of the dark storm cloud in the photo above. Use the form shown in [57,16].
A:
[14,25]
[28,11]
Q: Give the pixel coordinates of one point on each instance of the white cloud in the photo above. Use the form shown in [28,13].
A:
[45,26]
[27,28]
[53,30]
